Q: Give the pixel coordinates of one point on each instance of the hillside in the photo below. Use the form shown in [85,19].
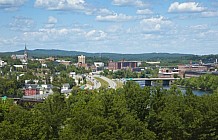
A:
[113,56]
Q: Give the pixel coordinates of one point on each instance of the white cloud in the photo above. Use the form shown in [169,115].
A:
[64,34]
[104,12]
[115,29]
[151,36]
[52,20]
[96,35]
[107,15]
[51,34]
[22,24]
[60,4]
[11,4]
[199,27]
[186,7]
[137,3]
[155,24]
[144,12]
[114,17]
[210,14]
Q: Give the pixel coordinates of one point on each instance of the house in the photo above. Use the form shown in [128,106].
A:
[65,86]
[45,88]
[72,74]
[2,63]
[35,89]
[30,89]
[66,89]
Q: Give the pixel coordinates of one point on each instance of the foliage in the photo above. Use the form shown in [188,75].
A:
[131,112]
[205,82]
[10,87]
[127,73]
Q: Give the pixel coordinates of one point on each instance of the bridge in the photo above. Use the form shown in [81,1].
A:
[148,81]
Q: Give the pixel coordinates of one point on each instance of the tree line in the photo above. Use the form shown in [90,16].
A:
[128,113]
[207,82]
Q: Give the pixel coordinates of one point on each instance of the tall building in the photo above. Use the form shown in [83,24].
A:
[82,59]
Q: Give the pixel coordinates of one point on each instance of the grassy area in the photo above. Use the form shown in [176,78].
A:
[104,83]
[119,84]
[90,83]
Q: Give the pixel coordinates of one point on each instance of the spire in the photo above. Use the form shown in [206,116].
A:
[25,47]
[25,53]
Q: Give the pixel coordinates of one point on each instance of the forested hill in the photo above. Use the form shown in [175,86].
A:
[114,56]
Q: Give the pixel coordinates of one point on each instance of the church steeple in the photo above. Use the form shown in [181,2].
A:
[25,53]
[25,47]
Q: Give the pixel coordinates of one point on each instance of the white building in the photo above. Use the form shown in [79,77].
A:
[99,64]
[2,63]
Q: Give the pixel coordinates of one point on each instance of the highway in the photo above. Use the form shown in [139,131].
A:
[111,83]
[96,83]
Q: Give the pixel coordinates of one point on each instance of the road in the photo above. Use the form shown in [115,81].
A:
[111,83]
[96,83]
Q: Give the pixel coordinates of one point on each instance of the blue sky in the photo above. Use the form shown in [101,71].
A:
[120,26]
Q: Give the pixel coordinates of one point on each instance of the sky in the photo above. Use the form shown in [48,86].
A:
[115,26]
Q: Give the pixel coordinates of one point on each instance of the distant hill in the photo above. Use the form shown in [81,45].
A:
[113,56]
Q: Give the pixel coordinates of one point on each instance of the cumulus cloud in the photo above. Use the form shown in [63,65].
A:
[186,7]
[60,4]
[69,34]
[11,4]
[96,35]
[144,12]
[22,24]
[114,17]
[137,3]
[155,24]
[104,11]
[51,34]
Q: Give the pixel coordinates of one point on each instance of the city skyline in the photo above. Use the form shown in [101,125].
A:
[115,26]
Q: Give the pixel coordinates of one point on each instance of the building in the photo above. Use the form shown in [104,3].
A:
[112,65]
[66,89]
[193,70]
[153,63]
[34,89]
[123,65]
[30,89]
[72,74]
[23,58]
[50,59]
[81,59]
[98,66]
[66,63]
[184,68]
[169,73]
[2,63]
